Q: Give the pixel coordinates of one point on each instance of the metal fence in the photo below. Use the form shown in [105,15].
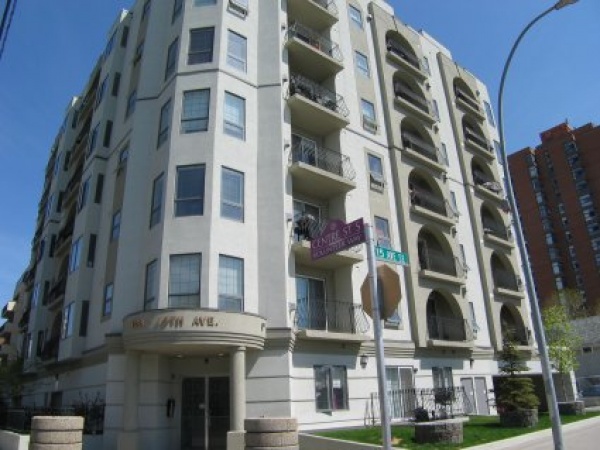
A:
[19,419]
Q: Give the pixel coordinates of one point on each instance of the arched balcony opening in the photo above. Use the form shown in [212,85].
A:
[503,273]
[406,89]
[475,137]
[493,224]
[483,177]
[399,47]
[416,139]
[444,319]
[512,327]
[425,193]
[58,286]
[465,98]
[436,255]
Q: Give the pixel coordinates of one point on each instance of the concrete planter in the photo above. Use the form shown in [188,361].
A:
[439,432]
[574,408]
[522,418]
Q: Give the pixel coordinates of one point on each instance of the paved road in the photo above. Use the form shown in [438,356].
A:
[583,435]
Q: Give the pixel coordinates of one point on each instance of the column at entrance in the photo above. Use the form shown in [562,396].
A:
[129,437]
[238,388]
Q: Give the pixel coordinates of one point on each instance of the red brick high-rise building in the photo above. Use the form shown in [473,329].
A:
[557,188]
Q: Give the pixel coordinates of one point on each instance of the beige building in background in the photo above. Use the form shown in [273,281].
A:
[171,274]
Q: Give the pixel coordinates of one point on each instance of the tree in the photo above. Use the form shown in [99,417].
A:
[11,381]
[563,341]
[515,392]
[572,300]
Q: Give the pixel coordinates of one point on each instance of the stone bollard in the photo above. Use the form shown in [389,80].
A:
[56,433]
[275,433]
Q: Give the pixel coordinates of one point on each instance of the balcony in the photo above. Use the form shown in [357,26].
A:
[487,186]
[506,283]
[439,266]
[315,108]
[449,332]
[468,103]
[432,207]
[497,233]
[318,14]
[422,151]
[56,293]
[70,193]
[319,318]
[306,228]
[414,103]
[320,172]
[63,239]
[317,56]
[478,143]
[406,59]
[521,336]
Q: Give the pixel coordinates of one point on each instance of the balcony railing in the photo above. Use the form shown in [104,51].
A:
[427,404]
[449,329]
[516,334]
[474,137]
[316,93]
[487,183]
[19,420]
[440,262]
[467,98]
[506,279]
[305,151]
[56,291]
[332,316]
[496,229]
[403,53]
[329,5]
[400,90]
[412,142]
[431,202]
[315,40]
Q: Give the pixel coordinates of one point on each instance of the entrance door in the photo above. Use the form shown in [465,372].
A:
[401,391]
[204,413]
[469,390]
[483,408]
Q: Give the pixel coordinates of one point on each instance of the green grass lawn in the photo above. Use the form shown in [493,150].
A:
[478,430]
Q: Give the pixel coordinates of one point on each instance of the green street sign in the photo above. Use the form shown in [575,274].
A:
[391,256]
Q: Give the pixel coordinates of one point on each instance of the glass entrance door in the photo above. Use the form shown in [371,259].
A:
[204,413]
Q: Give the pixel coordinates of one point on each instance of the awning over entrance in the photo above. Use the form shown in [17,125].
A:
[192,331]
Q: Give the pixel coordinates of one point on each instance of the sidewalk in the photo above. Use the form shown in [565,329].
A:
[582,435]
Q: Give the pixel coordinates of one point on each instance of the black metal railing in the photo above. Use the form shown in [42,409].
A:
[402,52]
[438,261]
[449,329]
[19,419]
[505,279]
[423,148]
[477,139]
[431,202]
[421,404]
[316,93]
[487,183]
[467,98]
[315,40]
[496,229]
[418,101]
[328,315]
[304,151]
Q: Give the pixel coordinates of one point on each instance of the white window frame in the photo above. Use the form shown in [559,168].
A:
[230,203]
[234,116]
[231,283]
[195,108]
[192,296]
[107,303]
[329,388]
[235,41]
[355,16]
[362,64]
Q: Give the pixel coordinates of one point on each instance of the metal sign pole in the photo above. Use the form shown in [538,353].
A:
[386,432]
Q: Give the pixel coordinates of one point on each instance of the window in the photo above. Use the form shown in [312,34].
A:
[49,204]
[157,200]
[116,84]
[93,139]
[99,188]
[444,152]
[75,255]
[426,66]
[376,172]
[239,7]
[362,64]
[107,133]
[131,100]
[164,122]
[83,194]
[234,117]
[204,2]
[108,300]
[232,194]
[124,37]
[67,325]
[109,45]
[436,109]
[115,226]
[124,155]
[453,202]
[101,90]
[138,53]
[184,281]
[442,377]
[171,58]
[194,116]
[83,318]
[474,325]
[498,151]
[489,113]
[368,116]
[236,51]
[189,200]
[331,388]
[177,6]
[35,295]
[231,283]
[201,45]
[382,232]
[150,285]
[91,256]
[355,16]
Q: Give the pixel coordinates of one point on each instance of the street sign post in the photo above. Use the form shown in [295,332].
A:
[391,256]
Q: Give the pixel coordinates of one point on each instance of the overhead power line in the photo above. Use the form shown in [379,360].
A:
[7,17]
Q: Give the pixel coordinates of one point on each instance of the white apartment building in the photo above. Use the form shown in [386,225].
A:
[171,274]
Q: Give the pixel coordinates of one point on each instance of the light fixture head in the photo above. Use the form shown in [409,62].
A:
[562,3]
[364,359]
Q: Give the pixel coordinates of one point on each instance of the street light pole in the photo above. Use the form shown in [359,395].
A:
[535,309]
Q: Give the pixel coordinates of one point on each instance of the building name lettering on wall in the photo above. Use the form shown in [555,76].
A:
[173,322]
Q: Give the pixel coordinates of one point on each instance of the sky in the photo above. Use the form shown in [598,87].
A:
[53,45]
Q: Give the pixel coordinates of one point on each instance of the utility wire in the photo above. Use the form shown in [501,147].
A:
[10,5]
